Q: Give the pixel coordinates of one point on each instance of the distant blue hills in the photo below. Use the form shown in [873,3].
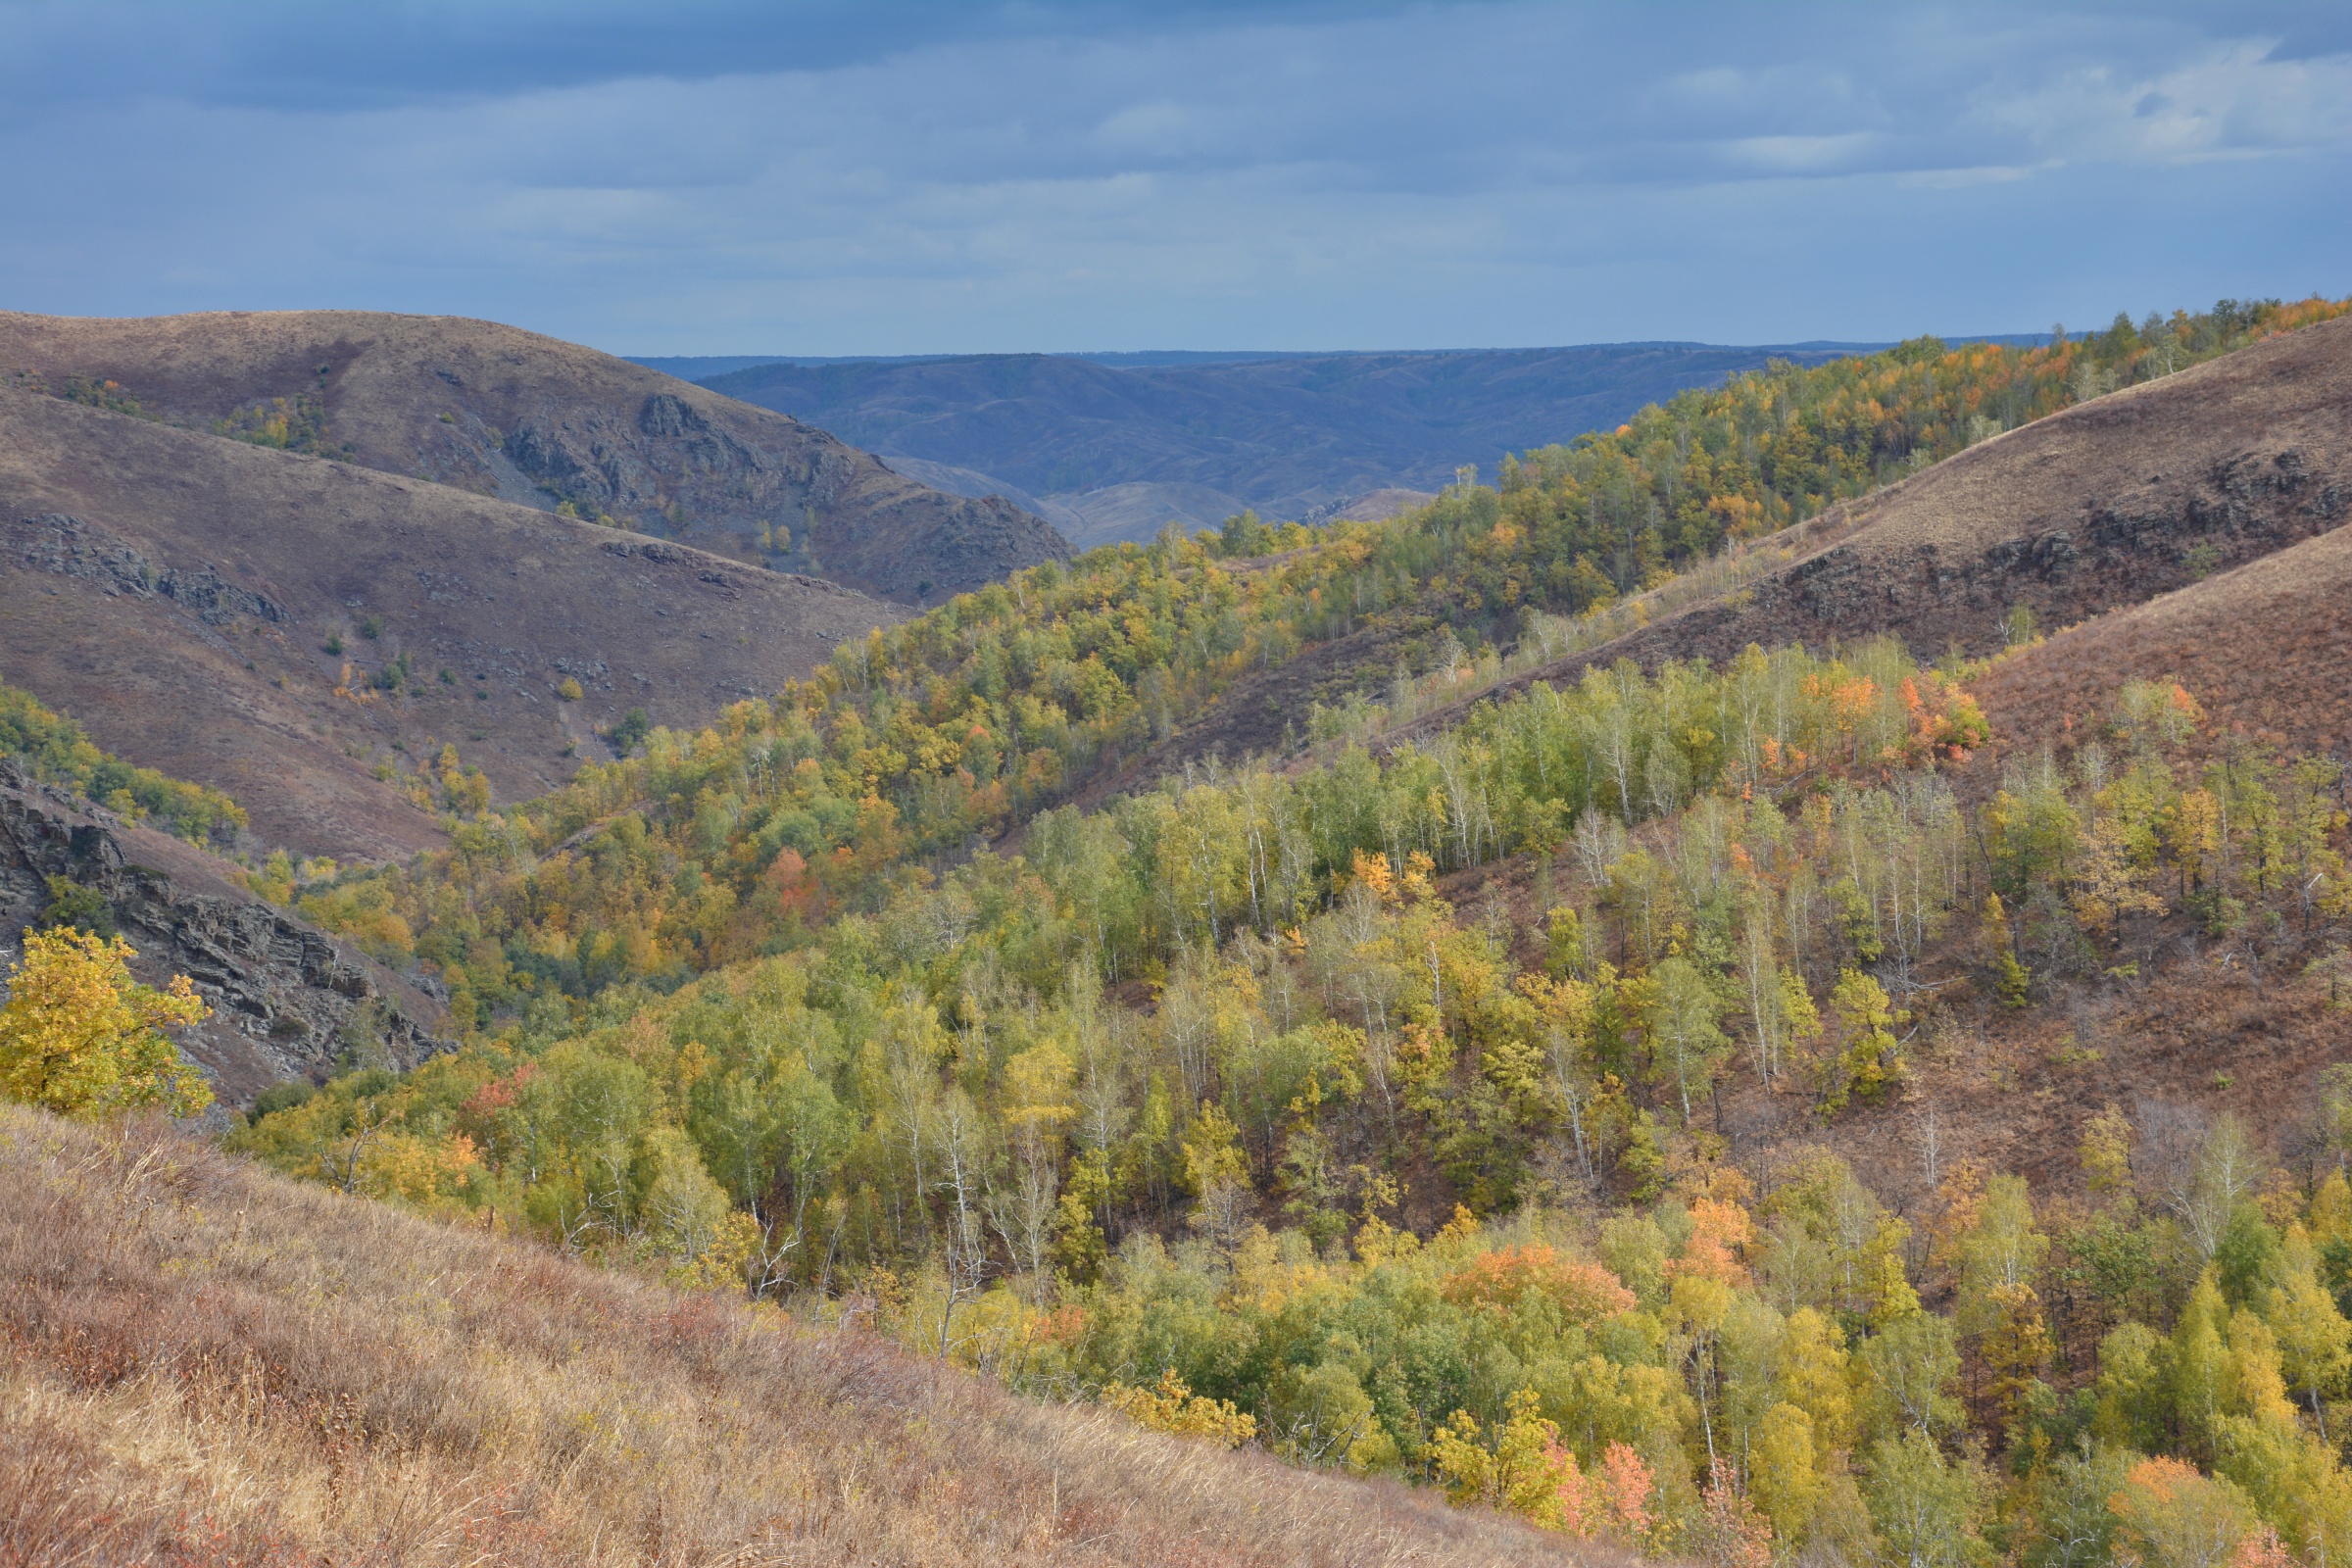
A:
[1117,445]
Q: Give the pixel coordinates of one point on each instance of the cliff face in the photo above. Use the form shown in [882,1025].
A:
[287,1001]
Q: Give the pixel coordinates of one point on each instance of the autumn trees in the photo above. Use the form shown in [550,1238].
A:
[78,1036]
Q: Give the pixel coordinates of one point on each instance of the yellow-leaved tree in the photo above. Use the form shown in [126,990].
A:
[82,1037]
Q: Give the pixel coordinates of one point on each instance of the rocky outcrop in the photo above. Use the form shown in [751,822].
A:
[69,547]
[288,1001]
[673,469]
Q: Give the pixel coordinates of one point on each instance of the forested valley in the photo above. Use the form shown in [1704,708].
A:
[1366,1102]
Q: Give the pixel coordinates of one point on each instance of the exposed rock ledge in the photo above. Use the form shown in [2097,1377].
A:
[288,1000]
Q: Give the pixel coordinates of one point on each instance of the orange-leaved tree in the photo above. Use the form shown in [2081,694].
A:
[80,1037]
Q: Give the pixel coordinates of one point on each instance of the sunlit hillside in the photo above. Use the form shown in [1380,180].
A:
[207,1365]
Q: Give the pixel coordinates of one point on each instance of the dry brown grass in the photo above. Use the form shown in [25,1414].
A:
[199,1363]
[2267,650]
[478,587]
[435,397]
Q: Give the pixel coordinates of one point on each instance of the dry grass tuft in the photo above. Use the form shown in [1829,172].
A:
[202,1364]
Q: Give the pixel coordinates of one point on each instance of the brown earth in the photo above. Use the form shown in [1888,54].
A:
[2266,649]
[2107,504]
[175,593]
[539,422]
[200,1362]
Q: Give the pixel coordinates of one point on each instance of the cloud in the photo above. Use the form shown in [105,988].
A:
[875,178]
[2233,100]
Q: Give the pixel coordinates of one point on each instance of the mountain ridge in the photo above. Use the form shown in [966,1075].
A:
[203,607]
[531,419]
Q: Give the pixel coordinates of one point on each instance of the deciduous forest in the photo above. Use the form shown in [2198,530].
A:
[1365,1101]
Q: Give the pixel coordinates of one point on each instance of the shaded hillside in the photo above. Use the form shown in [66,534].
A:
[180,594]
[211,1364]
[965,483]
[1287,435]
[531,419]
[2105,503]
[287,1001]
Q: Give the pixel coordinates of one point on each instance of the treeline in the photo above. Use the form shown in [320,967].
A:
[288,425]
[745,839]
[1594,518]
[56,750]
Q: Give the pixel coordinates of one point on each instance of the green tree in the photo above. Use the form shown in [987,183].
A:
[1687,1042]
[1926,1506]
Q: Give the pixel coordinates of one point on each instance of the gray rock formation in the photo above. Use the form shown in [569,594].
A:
[288,1002]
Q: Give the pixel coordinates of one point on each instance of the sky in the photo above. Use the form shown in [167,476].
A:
[864,177]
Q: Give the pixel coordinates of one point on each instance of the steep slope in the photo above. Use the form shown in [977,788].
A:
[543,422]
[2106,504]
[209,1364]
[2266,649]
[287,1001]
[177,593]
[1133,447]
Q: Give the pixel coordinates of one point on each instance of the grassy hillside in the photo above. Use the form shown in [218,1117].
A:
[308,636]
[54,750]
[209,1365]
[539,422]
[1135,663]
[2094,508]
[2267,647]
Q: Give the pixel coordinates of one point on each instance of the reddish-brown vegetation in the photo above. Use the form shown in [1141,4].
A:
[2267,648]
[200,1364]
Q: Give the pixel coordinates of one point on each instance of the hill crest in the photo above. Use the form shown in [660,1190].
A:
[206,607]
[530,419]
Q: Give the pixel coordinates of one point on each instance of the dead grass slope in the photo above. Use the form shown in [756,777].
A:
[2267,650]
[2105,505]
[177,592]
[537,421]
[204,1364]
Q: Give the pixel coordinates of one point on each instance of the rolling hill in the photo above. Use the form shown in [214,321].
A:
[540,423]
[1131,447]
[1736,1082]
[2100,507]
[179,593]
[209,1364]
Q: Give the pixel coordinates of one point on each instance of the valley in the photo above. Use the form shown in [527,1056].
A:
[1120,446]
[1767,986]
